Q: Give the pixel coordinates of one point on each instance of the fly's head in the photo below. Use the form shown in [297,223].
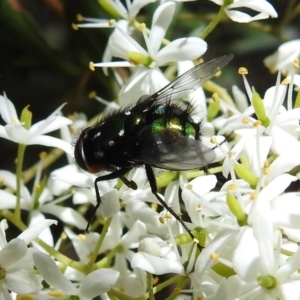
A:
[87,152]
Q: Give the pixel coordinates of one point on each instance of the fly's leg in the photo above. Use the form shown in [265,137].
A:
[152,182]
[116,174]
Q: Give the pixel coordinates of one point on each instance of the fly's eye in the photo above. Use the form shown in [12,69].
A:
[84,154]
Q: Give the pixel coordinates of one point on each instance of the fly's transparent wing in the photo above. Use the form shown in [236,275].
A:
[171,150]
[187,82]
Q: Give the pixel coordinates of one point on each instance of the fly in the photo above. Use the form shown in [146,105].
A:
[156,132]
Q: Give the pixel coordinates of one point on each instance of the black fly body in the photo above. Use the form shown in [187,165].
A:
[155,132]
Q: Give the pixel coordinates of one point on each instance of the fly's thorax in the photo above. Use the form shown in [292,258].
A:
[96,147]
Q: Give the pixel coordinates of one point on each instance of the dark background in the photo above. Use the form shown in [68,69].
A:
[44,62]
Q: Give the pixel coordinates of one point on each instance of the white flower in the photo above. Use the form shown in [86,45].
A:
[46,203]
[35,135]
[16,261]
[264,9]
[282,60]
[279,123]
[118,10]
[94,284]
[157,257]
[132,7]
[145,80]
[16,266]
[265,272]
[68,176]
[122,45]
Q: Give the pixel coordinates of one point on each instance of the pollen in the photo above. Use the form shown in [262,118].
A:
[214,256]
[198,207]
[229,154]
[254,196]
[154,206]
[57,294]
[256,124]
[142,26]
[111,22]
[155,280]
[189,186]
[161,220]
[243,71]
[26,297]
[245,120]
[74,26]
[92,94]
[37,187]
[79,17]
[285,81]
[1,181]
[43,154]
[215,97]
[266,170]
[176,290]
[82,237]
[218,74]
[296,64]
[122,289]
[101,222]
[168,216]
[63,236]
[213,140]
[201,60]
[232,186]
[91,66]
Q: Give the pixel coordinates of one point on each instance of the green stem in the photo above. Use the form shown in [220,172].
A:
[166,283]
[215,21]
[114,294]
[150,286]
[95,253]
[60,257]
[178,288]
[20,159]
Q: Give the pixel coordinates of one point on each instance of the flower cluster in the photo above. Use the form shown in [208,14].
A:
[246,227]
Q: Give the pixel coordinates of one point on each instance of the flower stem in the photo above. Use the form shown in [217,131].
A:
[178,288]
[95,253]
[20,159]
[150,286]
[215,21]
[166,283]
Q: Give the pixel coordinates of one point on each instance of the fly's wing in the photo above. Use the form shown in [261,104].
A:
[172,150]
[187,82]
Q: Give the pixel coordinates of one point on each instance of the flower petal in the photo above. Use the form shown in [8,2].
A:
[180,50]
[23,282]
[35,230]
[156,265]
[50,141]
[161,20]
[98,282]
[13,251]
[51,274]
[66,214]
[8,111]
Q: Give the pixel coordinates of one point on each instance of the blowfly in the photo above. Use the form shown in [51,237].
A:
[158,131]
